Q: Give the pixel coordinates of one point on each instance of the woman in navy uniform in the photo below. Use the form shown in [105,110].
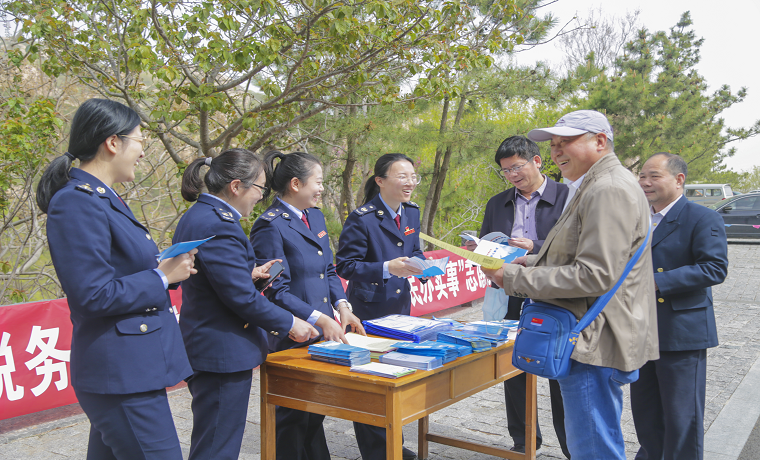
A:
[225,321]
[126,347]
[293,230]
[376,240]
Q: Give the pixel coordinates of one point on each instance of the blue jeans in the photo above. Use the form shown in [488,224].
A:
[593,401]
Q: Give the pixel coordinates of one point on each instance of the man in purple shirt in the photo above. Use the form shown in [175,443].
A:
[526,213]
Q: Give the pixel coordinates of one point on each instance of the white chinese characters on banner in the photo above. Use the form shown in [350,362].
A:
[14,392]
[449,289]
[43,364]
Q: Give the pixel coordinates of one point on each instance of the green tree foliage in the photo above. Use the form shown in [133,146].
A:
[208,74]
[657,101]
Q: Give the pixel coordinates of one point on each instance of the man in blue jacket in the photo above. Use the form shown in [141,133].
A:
[526,213]
[689,255]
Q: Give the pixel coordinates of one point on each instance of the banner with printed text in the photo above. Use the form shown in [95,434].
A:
[35,337]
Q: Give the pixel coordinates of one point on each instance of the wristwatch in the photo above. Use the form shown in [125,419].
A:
[348,305]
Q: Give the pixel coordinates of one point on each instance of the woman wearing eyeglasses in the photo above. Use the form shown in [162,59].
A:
[225,321]
[294,231]
[377,238]
[126,347]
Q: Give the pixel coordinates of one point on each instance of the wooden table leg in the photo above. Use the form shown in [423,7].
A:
[268,435]
[422,443]
[393,428]
[530,416]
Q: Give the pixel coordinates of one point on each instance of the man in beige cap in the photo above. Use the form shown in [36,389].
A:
[606,219]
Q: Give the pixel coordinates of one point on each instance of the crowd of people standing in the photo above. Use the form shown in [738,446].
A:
[127,346]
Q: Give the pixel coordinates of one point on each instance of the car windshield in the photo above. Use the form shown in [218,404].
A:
[724,202]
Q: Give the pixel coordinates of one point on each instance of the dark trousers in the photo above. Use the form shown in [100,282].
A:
[371,441]
[132,426]
[300,435]
[220,406]
[668,406]
[514,395]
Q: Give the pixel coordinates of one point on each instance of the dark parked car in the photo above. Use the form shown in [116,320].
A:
[741,215]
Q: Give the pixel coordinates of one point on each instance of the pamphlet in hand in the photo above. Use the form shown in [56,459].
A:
[496,237]
[495,244]
[180,248]
[429,267]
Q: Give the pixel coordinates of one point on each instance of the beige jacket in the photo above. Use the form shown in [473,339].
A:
[582,258]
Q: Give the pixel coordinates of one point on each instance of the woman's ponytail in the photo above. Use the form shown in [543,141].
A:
[56,175]
[192,181]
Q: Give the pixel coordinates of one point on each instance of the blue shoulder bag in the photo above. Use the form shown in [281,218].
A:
[547,334]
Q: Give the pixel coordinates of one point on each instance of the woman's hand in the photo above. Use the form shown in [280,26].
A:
[331,329]
[262,271]
[349,319]
[179,268]
[302,331]
[470,245]
[397,267]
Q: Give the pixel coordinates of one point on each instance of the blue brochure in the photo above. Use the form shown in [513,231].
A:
[180,248]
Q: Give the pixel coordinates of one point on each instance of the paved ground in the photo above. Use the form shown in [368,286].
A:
[731,412]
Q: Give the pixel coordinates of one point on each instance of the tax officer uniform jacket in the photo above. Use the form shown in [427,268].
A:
[369,238]
[308,281]
[125,337]
[224,319]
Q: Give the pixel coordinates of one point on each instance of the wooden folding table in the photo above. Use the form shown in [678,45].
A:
[291,379]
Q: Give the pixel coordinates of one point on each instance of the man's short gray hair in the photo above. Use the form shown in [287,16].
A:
[675,163]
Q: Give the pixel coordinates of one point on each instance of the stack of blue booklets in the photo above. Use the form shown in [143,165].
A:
[403,327]
[339,353]
[446,351]
[497,332]
[424,363]
[465,338]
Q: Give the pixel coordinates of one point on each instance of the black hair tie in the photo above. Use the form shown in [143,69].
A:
[71,157]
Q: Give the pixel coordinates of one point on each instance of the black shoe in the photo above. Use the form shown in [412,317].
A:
[408,454]
[521,448]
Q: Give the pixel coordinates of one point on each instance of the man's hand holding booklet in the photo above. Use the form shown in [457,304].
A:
[495,244]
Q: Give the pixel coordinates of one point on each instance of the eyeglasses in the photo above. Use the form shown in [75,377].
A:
[138,139]
[414,179]
[264,190]
[514,169]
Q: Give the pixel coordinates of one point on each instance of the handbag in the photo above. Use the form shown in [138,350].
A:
[495,304]
[547,334]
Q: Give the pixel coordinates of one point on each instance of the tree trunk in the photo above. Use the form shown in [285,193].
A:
[432,208]
[436,166]
[347,203]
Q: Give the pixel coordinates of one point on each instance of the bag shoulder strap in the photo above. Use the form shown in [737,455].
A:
[602,301]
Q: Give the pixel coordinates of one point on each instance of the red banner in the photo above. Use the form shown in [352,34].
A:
[460,284]
[35,344]
[35,337]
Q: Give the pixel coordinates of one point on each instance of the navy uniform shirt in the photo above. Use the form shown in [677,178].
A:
[369,238]
[308,281]
[125,337]
[224,319]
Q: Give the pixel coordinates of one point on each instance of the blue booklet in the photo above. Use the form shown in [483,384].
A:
[180,248]
[332,349]
[424,363]
[342,361]
[429,267]
[447,352]
[405,327]
[463,338]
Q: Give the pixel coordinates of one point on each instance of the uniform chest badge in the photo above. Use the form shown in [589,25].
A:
[322,234]
[408,231]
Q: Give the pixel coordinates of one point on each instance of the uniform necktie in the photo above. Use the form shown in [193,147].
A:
[303,218]
[397,219]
